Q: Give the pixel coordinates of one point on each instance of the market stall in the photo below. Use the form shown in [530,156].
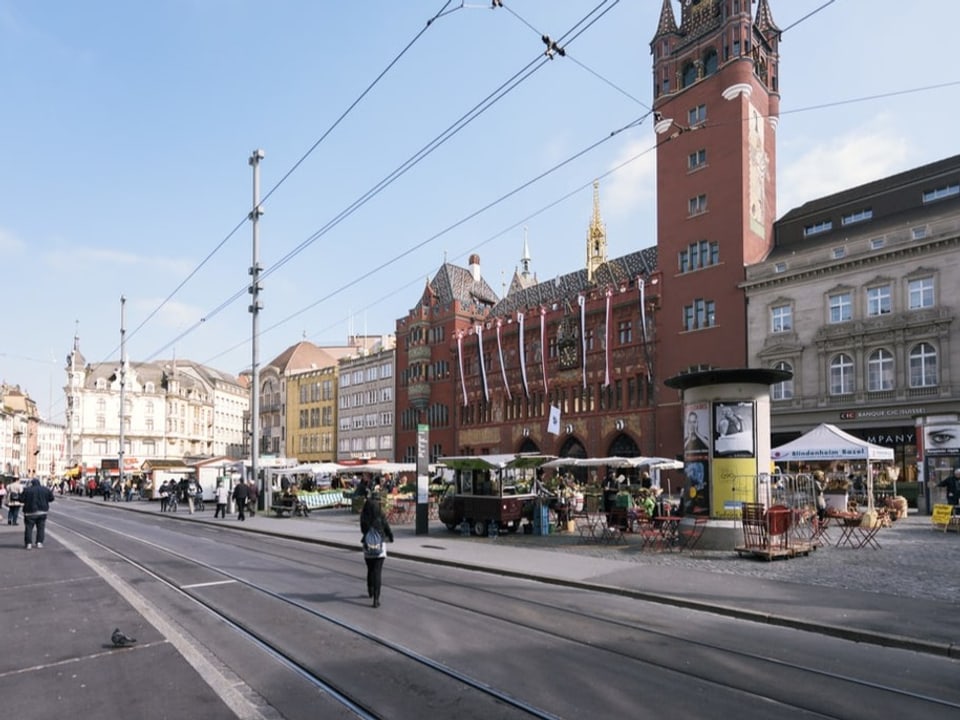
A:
[828,443]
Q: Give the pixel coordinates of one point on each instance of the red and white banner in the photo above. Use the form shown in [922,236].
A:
[463,380]
[609,331]
[523,356]
[503,368]
[483,365]
[643,325]
[582,302]
[543,348]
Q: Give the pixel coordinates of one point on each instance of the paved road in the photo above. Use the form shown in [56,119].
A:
[904,594]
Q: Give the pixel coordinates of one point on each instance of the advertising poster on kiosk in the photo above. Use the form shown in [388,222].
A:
[696,456]
[733,426]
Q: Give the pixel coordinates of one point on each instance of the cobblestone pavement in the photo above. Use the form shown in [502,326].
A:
[914,560]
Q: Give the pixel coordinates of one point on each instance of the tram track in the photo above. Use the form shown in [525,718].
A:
[627,641]
[302,666]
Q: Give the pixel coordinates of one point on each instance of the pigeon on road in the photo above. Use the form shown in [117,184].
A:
[120,639]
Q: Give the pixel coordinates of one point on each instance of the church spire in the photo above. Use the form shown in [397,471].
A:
[596,236]
[525,260]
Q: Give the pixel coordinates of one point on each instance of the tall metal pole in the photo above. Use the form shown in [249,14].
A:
[254,309]
[123,382]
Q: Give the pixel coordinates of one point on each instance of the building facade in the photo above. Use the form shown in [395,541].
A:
[172,409]
[19,434]
[564,367]
[367,404]
[859,298]
[426,394]
[312,410]
[716,99]
[13,443]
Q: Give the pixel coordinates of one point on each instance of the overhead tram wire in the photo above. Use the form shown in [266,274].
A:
[519,223]
[452,130]
[578,62]
[561,199]
[468,117]
[552,204]
[808,15]
[442,11]
[350,211]
[450,228]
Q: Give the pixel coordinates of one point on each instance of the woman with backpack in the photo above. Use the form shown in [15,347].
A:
[376,533]
[14,502]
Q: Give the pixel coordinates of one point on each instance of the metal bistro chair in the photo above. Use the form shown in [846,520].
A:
[690,534]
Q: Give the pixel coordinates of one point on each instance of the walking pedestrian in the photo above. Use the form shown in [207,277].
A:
[375,533]
[191,494]
[223,496]
[14,502]
[164,497]
[252,496]
[36,504]
[241,493]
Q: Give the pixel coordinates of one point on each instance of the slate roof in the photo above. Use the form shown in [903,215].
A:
[877,187]
[566,287]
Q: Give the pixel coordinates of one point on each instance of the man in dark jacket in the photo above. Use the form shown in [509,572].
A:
[36,503]
[240,495]
[952,484]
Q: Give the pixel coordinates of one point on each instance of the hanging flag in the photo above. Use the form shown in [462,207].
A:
[643,326]
[553,422]
[483,364]
[543,348]
[503,369]
[606,372]
[523,357]
[463,380]
[582,302]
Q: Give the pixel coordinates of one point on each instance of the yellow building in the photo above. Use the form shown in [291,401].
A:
[312,415]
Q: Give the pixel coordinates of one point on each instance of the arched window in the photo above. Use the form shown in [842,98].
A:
[783,390]
[689,75]
[841,375]
[880,371]
[710,62]
[923,366]
[573,448]
[623,446]
[528,446]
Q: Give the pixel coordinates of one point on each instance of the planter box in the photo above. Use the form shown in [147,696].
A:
[836,501]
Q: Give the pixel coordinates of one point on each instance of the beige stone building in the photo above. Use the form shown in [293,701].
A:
[859,299]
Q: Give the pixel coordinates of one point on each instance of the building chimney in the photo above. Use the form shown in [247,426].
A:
[475,267]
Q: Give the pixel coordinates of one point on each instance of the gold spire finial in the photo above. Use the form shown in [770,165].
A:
[596,236]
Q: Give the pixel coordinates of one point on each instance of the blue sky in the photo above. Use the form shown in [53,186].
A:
[127,128]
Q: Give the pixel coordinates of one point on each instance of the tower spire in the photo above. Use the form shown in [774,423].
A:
[668,22]
[525,260]
[596,236]
[765,23]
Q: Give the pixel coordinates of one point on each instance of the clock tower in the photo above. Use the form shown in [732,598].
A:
[716,101]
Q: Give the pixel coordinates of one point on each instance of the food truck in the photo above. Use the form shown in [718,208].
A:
[487,489]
